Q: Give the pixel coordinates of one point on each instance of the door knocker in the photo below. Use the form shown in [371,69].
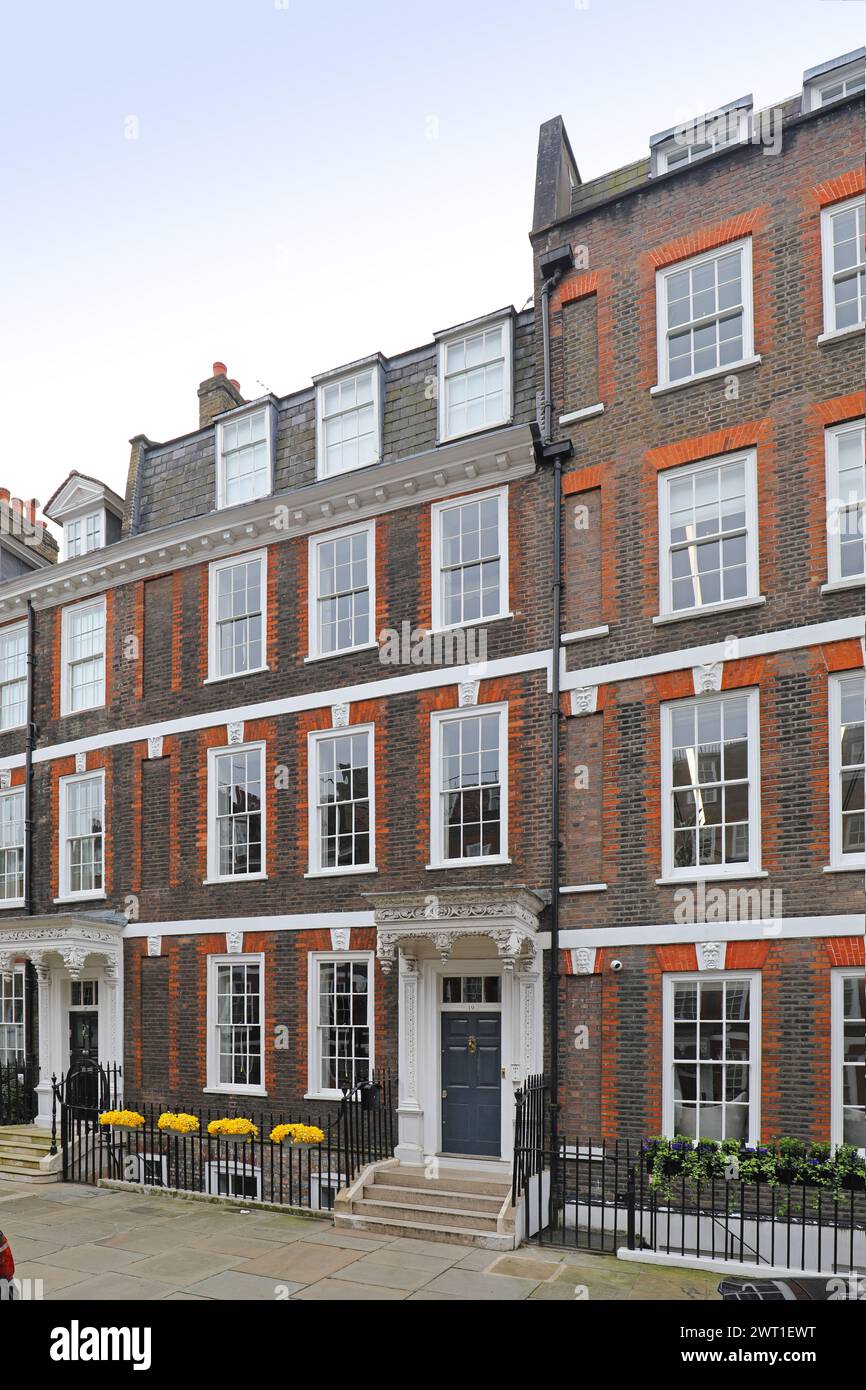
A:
[472,1045]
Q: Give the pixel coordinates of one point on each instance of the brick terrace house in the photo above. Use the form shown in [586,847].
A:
[708,367]
[279,838]
[253,769]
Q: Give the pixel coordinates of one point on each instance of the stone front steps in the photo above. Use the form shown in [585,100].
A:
[25,1157]
[461,1205]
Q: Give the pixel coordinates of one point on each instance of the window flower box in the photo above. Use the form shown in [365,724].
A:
[237,1131]
[298,1136]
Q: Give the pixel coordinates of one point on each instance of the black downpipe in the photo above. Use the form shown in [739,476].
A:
[560,262]
[28,770]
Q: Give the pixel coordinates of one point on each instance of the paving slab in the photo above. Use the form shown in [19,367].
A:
[347,1240]
[242,1246]
[389,1276]
[232,1284]
[466,1283]
[93,1259]
[179,1268]
[438,1249]
[28,1248]
[333,1290]
[146,1240]
[109,1288]
[301,1263]
[52,1276]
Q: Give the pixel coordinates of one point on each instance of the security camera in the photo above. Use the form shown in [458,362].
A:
[616,965]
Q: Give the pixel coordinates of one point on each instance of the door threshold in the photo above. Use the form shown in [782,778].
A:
[473,1158]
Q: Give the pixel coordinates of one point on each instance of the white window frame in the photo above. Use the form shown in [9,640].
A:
[232,1166]
[722,130]
[446,340]
[744,246]
[838,860]
[66,894]
[436,511]
[8,792]
[836,504]
[837,1024]
[375,370]
[213,874]
[214,1085]
[669,475]
[10,630]
[314,739]
[830,78]
[827,215]
[314,651]
[65,654]
[18,972]
[315,959]
[82,522]
[233,418]
[695,872]
[706,977]
[438,859]
[215,569]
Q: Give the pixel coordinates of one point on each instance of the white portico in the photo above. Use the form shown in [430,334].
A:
[78,964]
[470,1015]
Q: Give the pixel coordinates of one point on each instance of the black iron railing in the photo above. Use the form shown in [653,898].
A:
[18,1079]
[598,1194]
[530,1109]
[362,1131]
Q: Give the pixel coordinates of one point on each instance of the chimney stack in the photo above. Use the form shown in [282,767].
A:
[217,394]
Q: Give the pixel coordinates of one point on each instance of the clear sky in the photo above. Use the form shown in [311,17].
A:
[286,185]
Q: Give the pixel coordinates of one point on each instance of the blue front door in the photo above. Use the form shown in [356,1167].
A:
[471,1083]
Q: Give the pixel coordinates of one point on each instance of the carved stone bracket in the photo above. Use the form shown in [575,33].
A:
[235,942]
[340,938]
[711,955]
[708,677]
[467,692]
[583,960]
[584,699]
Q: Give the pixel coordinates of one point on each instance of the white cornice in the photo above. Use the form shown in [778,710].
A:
[463,466]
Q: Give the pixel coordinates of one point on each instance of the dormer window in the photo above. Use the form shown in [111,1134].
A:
[835,80]
[694,140]
[474,378]
[83,534]
[89,512]
[348,420]
[244,451]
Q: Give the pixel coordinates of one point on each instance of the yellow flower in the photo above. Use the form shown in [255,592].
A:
[181,1123]
[297,1134]
[130,1118]
[237,1126]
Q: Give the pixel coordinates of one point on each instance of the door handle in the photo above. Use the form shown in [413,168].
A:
[444,1095]
[472,1045]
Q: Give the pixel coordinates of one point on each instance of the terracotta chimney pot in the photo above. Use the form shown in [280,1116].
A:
[219,368]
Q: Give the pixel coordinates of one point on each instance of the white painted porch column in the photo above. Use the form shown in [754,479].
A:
[410,1116]
[44,1089]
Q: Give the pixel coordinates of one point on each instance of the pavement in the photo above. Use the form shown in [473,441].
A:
[101,1244]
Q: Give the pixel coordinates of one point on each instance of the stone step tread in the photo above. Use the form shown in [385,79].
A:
[450,1181]
[31,1132]
[487,1201]
[455,1235]
[7,1167]
[18,1155]
[483,1220]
